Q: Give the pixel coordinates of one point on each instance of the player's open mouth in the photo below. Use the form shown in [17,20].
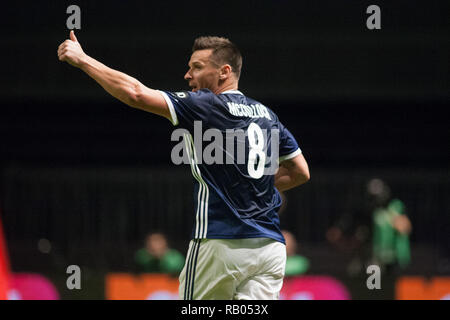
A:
[193,87]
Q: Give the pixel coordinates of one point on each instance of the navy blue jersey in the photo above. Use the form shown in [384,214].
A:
[233,144]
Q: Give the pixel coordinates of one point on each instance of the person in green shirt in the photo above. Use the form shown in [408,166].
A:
[157,257]
[295,263]
[391,230]
[391,235]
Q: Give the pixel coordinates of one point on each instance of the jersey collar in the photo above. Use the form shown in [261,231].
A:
[232,92]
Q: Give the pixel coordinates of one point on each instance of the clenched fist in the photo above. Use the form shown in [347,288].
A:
[71,51]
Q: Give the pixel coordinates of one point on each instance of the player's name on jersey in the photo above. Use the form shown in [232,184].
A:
[251,111]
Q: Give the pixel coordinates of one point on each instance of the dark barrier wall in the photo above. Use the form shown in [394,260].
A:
[99,216]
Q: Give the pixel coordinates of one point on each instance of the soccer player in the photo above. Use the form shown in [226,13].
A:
[237,249]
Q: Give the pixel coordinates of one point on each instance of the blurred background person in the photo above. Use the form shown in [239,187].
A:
[158,257]
[295,263]
[350,235]
[377,232]
[391,229]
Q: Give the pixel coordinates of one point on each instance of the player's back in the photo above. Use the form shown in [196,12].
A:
[233,145]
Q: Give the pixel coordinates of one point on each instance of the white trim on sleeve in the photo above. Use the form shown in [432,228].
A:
[173,114]
[290,155]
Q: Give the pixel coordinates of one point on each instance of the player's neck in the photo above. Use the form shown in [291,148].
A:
[226,87]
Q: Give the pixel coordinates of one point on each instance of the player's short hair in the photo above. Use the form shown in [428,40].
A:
[224,51]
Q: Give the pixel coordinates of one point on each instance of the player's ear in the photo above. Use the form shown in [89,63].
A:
[225,72]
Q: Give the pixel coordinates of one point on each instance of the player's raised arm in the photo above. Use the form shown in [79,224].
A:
[121,86]
[292,173]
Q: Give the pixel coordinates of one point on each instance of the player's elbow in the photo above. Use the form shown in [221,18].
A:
[306,176]
[302,170]
[302,177]
[297,170]
[133,94]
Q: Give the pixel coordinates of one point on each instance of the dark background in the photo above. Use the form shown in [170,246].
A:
[93,175]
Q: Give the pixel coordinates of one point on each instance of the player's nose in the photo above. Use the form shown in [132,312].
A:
[187,76]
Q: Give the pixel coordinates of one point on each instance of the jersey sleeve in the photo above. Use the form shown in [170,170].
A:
[186,107]
[288,145]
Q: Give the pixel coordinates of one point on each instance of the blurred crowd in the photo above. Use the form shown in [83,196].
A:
[378,234]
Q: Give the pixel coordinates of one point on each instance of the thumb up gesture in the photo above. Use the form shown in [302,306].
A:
[71,51]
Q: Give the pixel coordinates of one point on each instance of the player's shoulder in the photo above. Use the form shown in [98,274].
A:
[199,94]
